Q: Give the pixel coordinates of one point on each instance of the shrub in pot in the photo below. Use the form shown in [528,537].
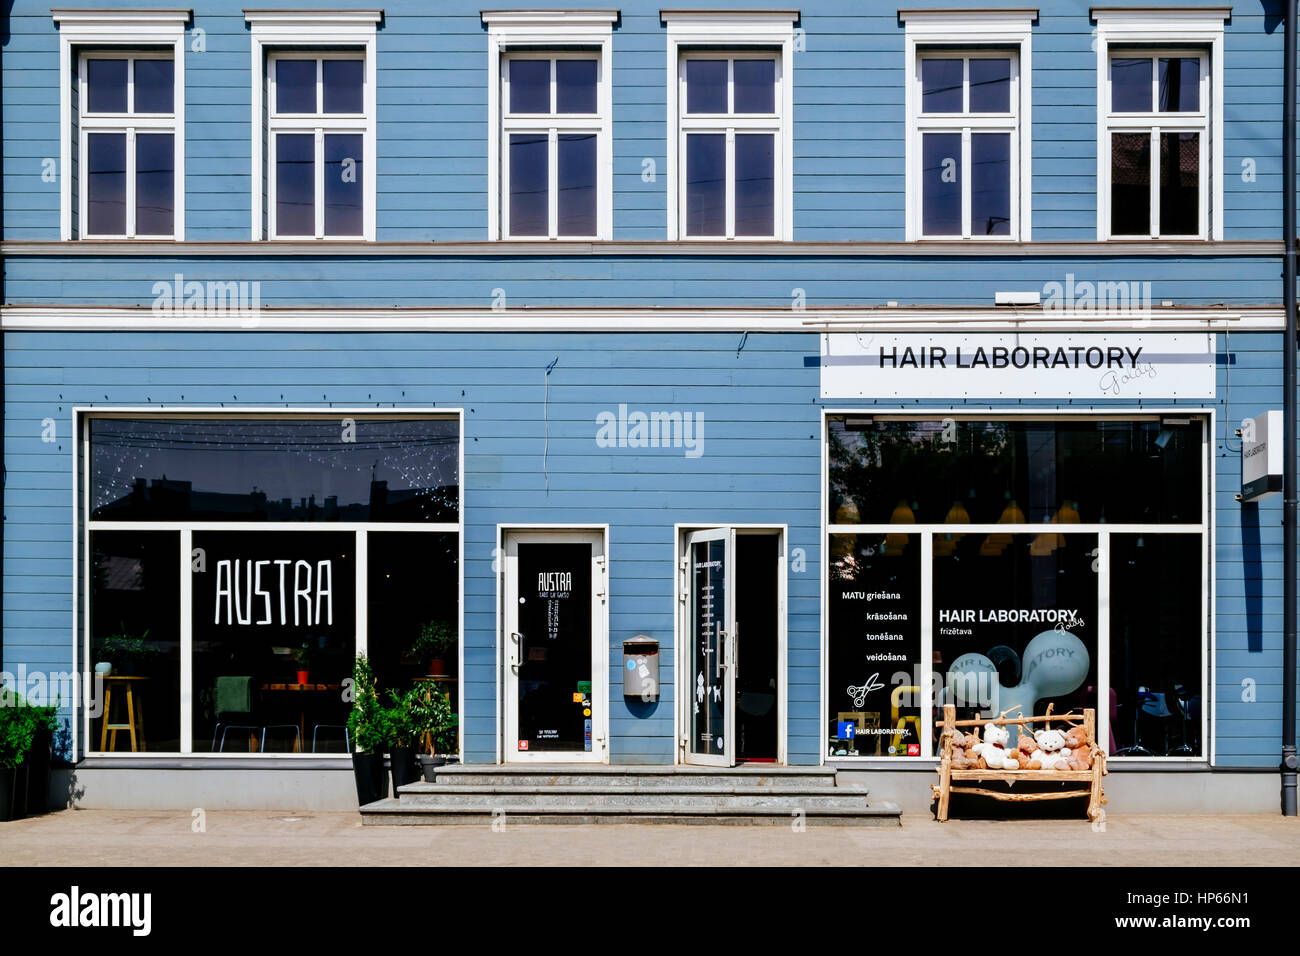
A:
[45,723]
[404,737]
[17,730]
[432,720]
[433,642]
[368,725]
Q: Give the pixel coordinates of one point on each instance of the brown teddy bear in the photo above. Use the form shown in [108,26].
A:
[1024,751]
[961,759]
[1080,748]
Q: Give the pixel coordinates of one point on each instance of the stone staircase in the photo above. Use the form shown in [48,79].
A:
[575,794]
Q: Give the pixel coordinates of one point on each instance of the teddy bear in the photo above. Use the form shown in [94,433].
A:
[1079,747]
[993,752]
[1025,748]
[1050,753]
[961,747]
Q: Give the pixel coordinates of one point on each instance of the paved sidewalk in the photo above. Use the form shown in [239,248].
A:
[265,838]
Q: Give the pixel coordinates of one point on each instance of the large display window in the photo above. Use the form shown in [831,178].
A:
[1012,563]
[237,563]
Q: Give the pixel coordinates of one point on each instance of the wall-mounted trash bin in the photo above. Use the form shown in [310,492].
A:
[641,667]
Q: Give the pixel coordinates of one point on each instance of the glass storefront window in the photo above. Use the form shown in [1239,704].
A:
[1002,616]
[263,469]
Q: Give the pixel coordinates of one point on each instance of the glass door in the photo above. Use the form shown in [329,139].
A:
[709,586]
[554,647]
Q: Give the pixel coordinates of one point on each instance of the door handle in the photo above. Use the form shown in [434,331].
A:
[517,651]
[724,653]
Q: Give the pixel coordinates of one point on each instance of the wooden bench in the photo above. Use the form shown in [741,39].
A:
[1081,783]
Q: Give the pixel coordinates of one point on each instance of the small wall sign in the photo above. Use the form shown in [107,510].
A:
[1261,456]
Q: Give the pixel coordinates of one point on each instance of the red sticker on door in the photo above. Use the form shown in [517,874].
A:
[523,745]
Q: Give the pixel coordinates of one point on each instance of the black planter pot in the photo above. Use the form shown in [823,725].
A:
[7,777]
[372,782]
[402,762]
[429,767]
[38,772]
[20,791]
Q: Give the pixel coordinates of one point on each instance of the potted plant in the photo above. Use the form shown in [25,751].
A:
[40,756]
[123,652]
[405,734]
[432,720]
[433,642]
[17,728]
[368,725]
[303,656]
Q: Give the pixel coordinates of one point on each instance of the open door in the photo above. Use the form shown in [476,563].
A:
[709,569]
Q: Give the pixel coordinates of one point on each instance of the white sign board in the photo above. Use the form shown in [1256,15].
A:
[1261,456]
[981,365]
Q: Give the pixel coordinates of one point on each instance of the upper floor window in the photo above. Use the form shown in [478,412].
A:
[552,132]
[1159,128]
[313,123]
[968,109]
[730,151]
[728,144]
[317,129]
[122,124]
[968,143]
[127,147]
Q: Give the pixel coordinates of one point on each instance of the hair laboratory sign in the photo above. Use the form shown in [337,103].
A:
[1017,365]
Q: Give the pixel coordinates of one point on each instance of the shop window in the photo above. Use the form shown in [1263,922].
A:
[971,562]
[227,562]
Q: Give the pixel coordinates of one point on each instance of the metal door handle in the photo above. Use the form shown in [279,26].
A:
[517,651]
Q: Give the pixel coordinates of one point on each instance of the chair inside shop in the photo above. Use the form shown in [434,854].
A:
[237,712]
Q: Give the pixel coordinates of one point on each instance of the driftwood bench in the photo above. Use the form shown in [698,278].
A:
[1080,783]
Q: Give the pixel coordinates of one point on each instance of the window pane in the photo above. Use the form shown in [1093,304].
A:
[135,618]
[106,184]
[530,86]
[1130,184]
[1130,85]
[575,86]
[295,86]
[941,184]
[990,86]
[266,469]
[343,184]
[755,184]
[941,82]
[982,471]
[990,184]
[887,569]
[1155,645]
[295,184]
[755,86]
[706,86]
[529,172]
[274,630]
[155,183]
[706,197]
[986,663]
[106,86]
[1180,182]
[342,82]
[412,593]
[1180,84]
[153,86]
[576,169]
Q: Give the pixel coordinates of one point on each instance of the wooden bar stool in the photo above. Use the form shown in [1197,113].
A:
[134,714]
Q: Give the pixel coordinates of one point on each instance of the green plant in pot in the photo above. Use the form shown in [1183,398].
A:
[123,652]
[18,725]
[432,644]
[370,729]
[433,722]
[304,658]
[405,732]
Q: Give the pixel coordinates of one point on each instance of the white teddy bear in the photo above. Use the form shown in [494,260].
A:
[992,750]
[1051,751]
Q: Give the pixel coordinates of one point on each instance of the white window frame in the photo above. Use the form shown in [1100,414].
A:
[971,33]
[728,125]
[127,124]
[310,31]
[1164,31]
[320,124]
[728,34]
[139,30]
[517,32]
[553,125]
[82,729]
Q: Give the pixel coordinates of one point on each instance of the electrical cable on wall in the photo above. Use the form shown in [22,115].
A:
[546,422]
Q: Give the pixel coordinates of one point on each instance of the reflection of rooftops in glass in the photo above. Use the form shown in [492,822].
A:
[275,470]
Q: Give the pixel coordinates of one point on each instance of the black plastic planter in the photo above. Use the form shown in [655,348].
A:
[20,792]
[372,781]
[429,767]
[7,777]
[403,766]
[38,772]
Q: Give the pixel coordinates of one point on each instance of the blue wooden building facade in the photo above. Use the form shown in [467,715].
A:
[736,329]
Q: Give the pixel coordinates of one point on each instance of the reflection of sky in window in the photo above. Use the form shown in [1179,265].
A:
[283,459]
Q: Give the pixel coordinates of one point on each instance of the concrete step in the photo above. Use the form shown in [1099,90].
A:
[637,777]
[390,812]
[416,796]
